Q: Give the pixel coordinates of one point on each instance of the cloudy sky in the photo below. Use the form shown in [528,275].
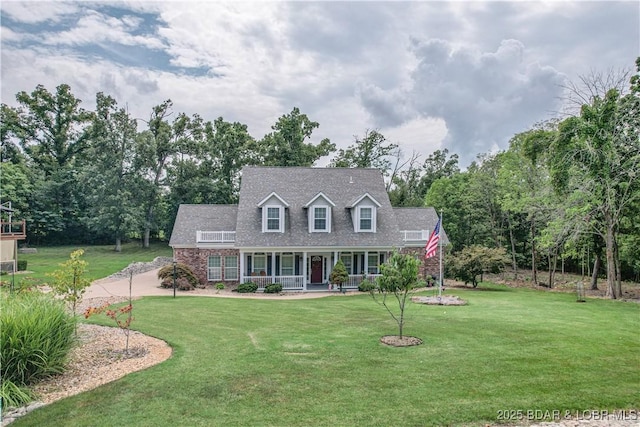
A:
[429,75]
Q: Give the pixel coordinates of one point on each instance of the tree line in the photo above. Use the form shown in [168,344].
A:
[564,192]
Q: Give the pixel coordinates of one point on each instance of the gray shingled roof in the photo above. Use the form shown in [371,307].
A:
[297,186]
[419,219]
[191,218]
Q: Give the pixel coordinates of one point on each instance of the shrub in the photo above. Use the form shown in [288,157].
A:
[185,279]
[366,286]
[37,335]
[22,264]
[273,288]
[219,286]
[245,288]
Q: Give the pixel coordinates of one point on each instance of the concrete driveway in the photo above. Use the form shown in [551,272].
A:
[143,284]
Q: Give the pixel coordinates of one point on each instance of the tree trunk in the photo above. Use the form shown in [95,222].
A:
[594,276]
[552,268]
[145,239]
[616,257]
[513,249]
[118,244]
[611,265]
[534,270]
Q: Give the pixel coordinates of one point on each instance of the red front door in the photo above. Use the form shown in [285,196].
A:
[316,269]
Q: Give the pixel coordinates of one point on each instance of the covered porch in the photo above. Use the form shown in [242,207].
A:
[308,271]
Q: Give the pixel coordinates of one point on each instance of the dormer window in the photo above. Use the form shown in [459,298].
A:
[319,213]
[363,214]
[273,207]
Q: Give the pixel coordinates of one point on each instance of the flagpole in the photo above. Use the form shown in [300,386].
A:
[440,245]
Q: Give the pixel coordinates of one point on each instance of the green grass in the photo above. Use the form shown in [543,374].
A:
[103,260]
[243,362]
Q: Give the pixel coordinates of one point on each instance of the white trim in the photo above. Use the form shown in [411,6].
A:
[265,219]
[320,194]
[361,198]
[358,217]
[273,194]
[312,219]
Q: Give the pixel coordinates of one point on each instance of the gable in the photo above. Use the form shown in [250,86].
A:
[301,188]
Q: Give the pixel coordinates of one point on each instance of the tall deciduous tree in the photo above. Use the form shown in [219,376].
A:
[525,186]
[286,146]
[370,151]
[52,130]
[111,176]
[597,155]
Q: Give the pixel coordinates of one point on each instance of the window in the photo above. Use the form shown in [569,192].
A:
[259,263]
[372,263]
[286,265]
[231,268]
[366,219]
[347,261]
[214,271]
[319,218]
[273,219]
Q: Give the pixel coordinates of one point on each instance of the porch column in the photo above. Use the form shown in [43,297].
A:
[304,270]
[242,267]
[335,257]
[366,262]
[273,267]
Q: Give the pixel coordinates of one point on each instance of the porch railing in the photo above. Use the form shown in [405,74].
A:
[414,235]
[289,283]
[215,236]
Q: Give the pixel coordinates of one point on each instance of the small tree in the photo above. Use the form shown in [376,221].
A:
[69,282]
[122,316]
[475,260]
[399,278]
[339,274]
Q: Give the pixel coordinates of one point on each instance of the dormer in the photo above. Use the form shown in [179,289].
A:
[319,213]
[273,207]
[364,213]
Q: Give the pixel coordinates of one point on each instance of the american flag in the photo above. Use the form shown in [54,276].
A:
[432,244]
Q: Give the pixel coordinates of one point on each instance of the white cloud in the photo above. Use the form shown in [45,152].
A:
[33,12]
[430,75]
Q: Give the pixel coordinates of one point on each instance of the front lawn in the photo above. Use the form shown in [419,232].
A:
[103,260]
[319,362]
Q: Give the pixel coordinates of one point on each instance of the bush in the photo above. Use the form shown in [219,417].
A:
[366,286]
[22,264]
[185,279]
[273,288]
[219,286]
[246,288]
[37,335]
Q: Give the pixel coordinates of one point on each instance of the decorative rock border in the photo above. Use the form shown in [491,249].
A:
[441,300]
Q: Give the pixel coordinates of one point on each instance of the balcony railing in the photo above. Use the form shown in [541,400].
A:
[215,236]
[13,230]
[414,235]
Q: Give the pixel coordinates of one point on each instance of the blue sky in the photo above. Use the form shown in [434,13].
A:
[429,75]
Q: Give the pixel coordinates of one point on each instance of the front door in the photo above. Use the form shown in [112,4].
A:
[316,269]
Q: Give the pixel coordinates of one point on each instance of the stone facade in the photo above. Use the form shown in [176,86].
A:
[198,260]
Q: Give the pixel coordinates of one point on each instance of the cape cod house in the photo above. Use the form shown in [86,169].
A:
[293,224]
